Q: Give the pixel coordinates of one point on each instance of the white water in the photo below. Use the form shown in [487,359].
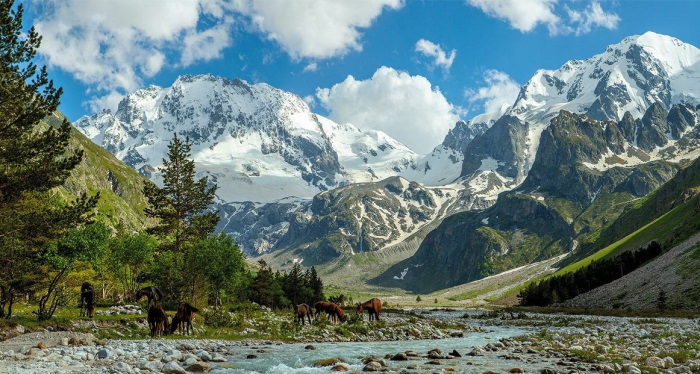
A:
[294,358]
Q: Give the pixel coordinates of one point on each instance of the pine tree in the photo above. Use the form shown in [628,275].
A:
[316,285]
[183,204]
[34,159]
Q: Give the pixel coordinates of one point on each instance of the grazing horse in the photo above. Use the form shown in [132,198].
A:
[303,310]
[373,306]
[87,300]
[183,316]
[153,294]
[158,321]
[335,313]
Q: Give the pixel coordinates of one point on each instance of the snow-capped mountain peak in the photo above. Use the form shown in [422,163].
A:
[259,143]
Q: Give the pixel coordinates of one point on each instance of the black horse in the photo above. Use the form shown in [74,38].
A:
[153,294]
[87,300]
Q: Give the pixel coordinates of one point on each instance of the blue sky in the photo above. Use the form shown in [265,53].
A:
[410,68]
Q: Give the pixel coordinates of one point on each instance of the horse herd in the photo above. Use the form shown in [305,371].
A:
[160,324]
[335,313]
[158,321]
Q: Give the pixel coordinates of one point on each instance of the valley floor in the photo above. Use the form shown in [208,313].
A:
[422,341]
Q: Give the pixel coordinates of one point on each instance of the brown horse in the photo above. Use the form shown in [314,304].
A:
[183,316]
[153,294]
[303,310]
[158,321]
[335,313]
[373,306]
[87,300]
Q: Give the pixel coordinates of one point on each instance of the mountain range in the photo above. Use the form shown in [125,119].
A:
[543,177]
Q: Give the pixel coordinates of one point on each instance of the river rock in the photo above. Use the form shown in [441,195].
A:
[199,367]
[340,367]
[121,367]
[548,371]
[310,347]
[372,366]
[327,362]
[203,355]
[173,367]
[399,357]
[104,353]
[655,362]
[516,370]
[154,366]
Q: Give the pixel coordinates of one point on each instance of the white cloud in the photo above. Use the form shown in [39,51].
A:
[112,46]
[523,15]
[406,107]
[310,67]
[526,15]
[315,28]
[592,16]
[500,91]
[440,58]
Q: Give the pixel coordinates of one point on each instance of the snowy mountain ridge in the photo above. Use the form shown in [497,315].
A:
[628,77]
[257,142]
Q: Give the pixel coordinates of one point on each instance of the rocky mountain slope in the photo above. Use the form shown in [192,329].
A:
[121,201]
[574,173]
[268,153]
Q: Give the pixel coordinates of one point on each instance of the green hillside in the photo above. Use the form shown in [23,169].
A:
[121,201]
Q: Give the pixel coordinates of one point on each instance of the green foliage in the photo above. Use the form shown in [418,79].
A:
[182,205]
[218,262]
[35,159]
[129,258]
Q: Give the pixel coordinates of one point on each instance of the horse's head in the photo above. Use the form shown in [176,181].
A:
[360,308]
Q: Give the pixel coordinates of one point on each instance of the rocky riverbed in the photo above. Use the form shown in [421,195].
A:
[436,341]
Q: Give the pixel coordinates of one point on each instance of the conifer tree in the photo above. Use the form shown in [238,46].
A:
[183,204]
[34,159]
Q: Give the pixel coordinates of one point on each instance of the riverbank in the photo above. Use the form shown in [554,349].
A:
[489,343]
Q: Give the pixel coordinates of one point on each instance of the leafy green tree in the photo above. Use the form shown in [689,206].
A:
[83,244]
[217,262]
[129,257]
[183,205]
[34,159]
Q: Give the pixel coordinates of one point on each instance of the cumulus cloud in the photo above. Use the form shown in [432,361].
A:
[440,58]
[406,107]
[113,45]
[317,29]
[523,15]
[592,16]
[310,67]
[500,91]
[526,15]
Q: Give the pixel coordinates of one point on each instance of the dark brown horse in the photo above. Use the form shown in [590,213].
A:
[303,310]
[373,307]
[87,300]
[158,321]
[183,316]
[153,294]
[335,313]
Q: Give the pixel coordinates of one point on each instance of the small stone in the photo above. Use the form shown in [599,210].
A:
[548,371]
[103,353]
[173,367]
[310,347]
[154,366]
[434,362]
[250,357]
[372,366]
[655,362]
[41,345]
[516,370]
[121,367]
[399,357]
[199,367]
[327,362]
[340,367]
[454,353]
